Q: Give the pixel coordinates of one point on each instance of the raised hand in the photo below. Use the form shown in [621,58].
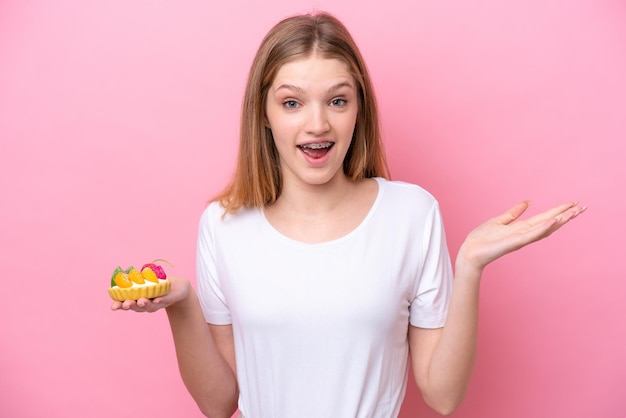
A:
[507,233]
[180,290]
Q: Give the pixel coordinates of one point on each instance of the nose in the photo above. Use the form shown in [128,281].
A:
[317,120]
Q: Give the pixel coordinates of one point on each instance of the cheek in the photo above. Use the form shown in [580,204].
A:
[277,120]
[347,124]
[280,137]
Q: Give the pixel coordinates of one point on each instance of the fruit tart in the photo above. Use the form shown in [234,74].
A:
[148,282]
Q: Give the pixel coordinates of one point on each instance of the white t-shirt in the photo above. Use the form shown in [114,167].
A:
[320,330]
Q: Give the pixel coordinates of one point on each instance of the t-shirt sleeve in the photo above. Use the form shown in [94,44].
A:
[210,293]
[429,308]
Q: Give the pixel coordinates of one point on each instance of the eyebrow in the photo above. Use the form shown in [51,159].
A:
[330,89]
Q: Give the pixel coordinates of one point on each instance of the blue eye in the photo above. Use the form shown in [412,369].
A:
[338,102]
[290,104]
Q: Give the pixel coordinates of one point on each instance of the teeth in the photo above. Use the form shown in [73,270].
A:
[317,145]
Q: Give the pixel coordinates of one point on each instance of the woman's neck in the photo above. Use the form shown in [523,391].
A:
[324,212]
[314,200]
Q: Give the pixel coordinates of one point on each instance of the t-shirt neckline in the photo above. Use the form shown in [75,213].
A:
[370,213]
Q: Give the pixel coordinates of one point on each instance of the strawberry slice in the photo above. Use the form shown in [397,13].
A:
[158,270]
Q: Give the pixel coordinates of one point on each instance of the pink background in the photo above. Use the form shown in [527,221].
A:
[118,120]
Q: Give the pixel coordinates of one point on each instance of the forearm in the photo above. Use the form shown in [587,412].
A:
[453,358]
[204,370]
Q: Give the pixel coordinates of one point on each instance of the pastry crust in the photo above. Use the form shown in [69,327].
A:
[135,292]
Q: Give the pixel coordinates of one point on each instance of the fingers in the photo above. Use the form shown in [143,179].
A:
[556,211]
[140,305]
[566,216]
[571,213]
[561,213]
[513,213]
[579,211]
[554,219]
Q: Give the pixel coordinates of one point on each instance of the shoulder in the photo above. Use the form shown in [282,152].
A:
[215,212]
[214,218]
[401,192]
[211,214]
[404,203]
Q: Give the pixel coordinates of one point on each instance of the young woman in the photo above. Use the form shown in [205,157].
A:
[320,278]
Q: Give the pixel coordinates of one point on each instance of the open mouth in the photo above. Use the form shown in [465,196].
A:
[316,149]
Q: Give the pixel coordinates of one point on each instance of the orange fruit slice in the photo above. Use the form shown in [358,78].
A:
[135,276]
[121,280]
[149,275]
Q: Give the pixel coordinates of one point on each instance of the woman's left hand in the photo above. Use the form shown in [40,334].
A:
[507,233]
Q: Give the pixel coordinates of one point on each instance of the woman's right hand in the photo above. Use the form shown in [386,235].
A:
[179,290]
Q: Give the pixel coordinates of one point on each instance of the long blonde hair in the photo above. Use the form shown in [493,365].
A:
[257,181]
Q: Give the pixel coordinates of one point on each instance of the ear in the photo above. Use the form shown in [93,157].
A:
[266,122]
